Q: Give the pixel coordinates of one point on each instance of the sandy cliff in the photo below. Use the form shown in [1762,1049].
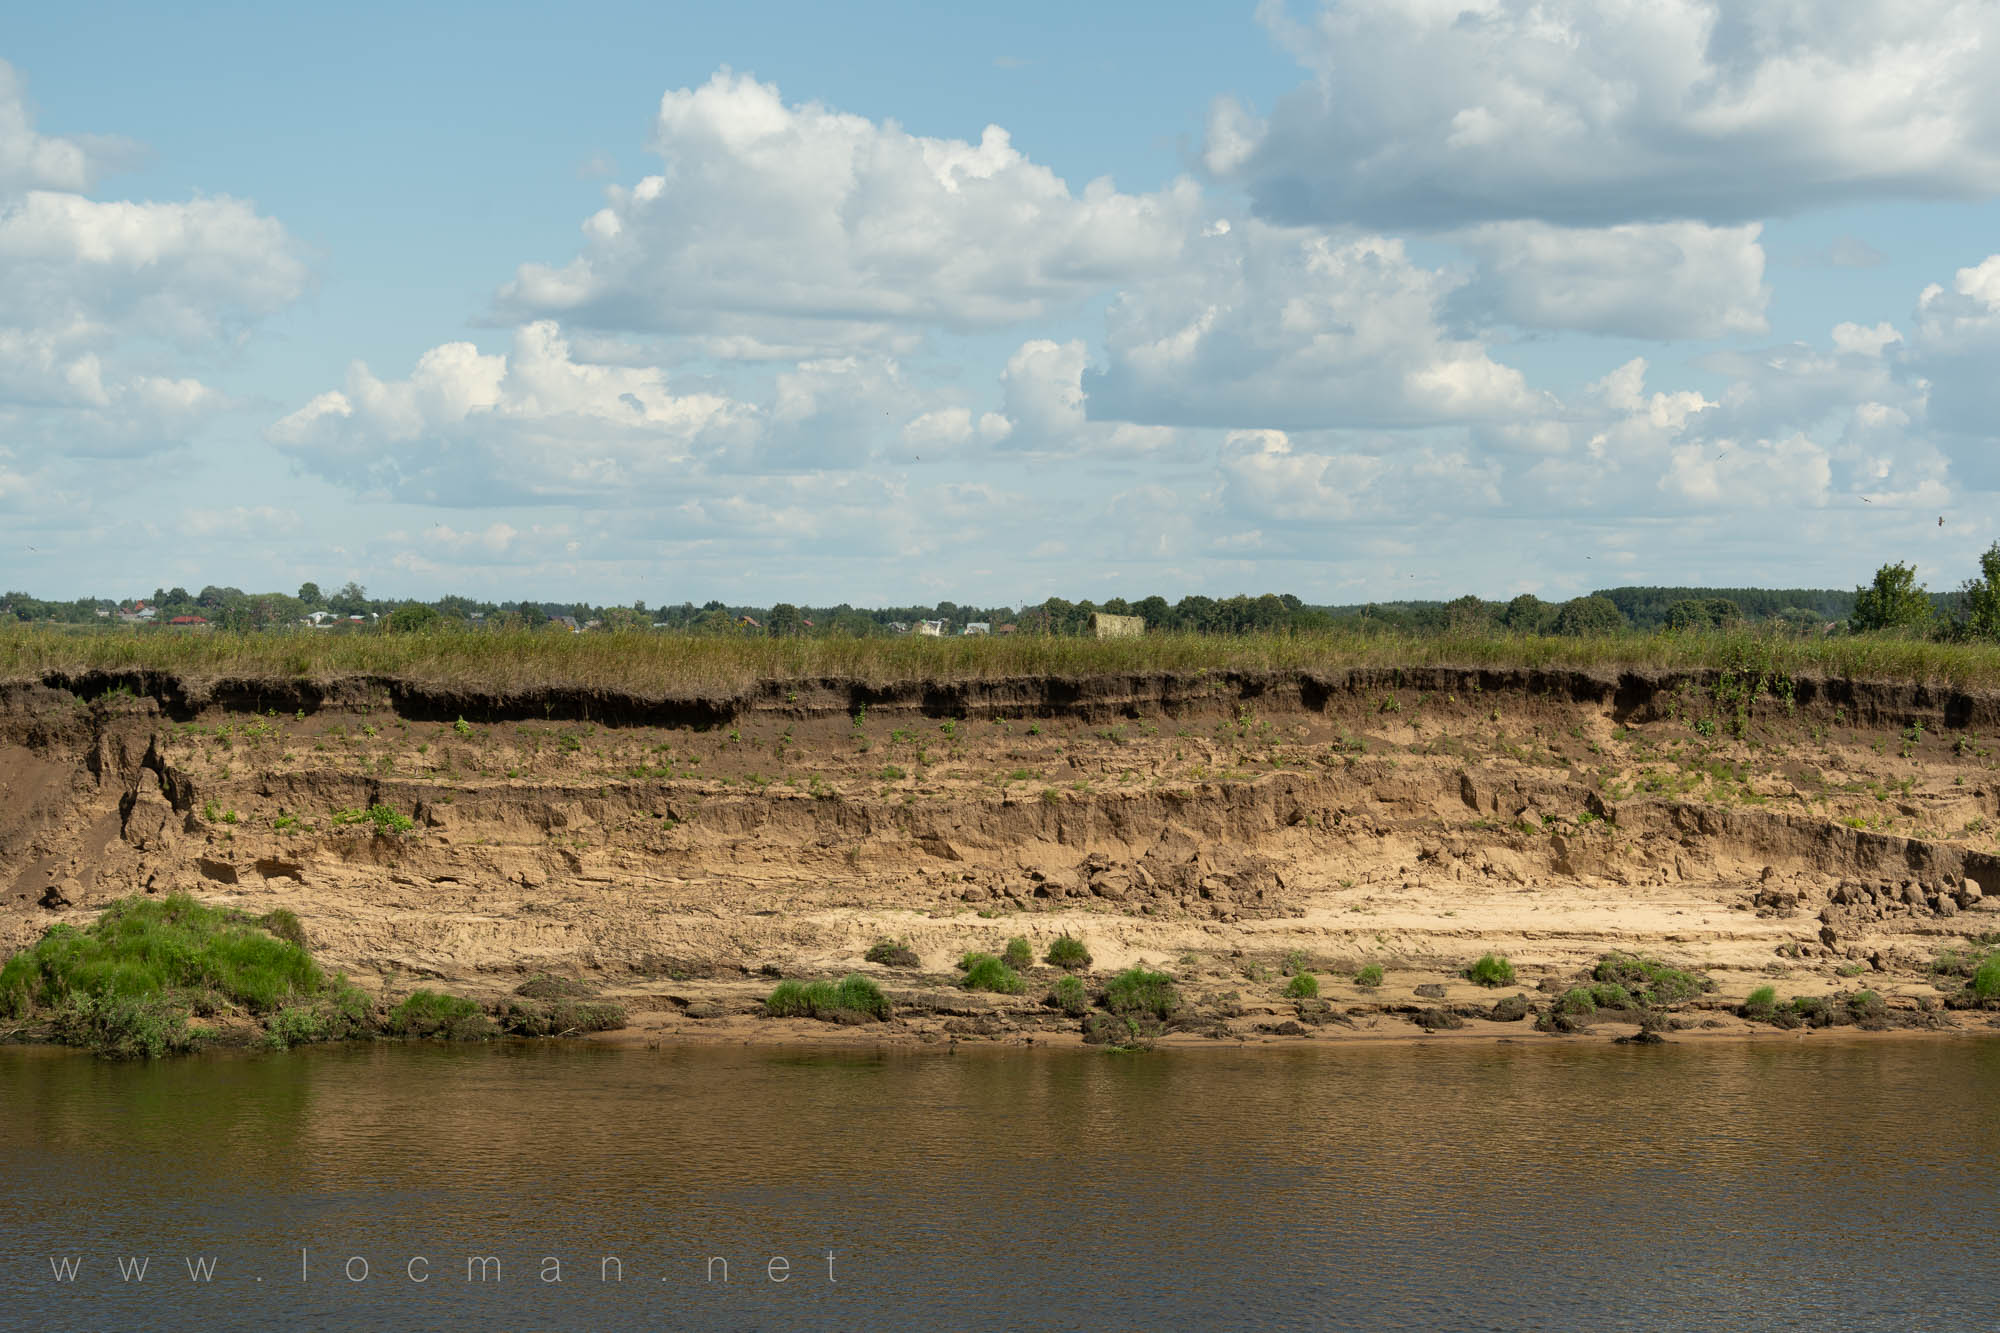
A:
[679,852]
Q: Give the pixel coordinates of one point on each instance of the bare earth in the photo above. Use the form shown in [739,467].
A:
[682,854]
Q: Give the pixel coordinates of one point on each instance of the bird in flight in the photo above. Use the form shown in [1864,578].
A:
[1940,520]
[1865,500]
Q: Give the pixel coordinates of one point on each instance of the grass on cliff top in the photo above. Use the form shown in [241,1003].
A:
[670,664]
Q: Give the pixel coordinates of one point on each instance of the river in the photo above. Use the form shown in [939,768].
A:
[1823,1183]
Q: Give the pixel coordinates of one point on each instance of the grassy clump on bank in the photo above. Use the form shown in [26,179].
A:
[656,664]
[1649,980]
[1068,953]
[129,984]
[893,953]
[1491,970]
[559,1018]
[1369,977]
[1018,954]
[429,1013]
[1302,986]
[1070,996]
[853,999]
[1138,990]
[985,972]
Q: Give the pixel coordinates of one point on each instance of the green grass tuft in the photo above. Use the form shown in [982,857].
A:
[1069,996]
[1491,970]
[429,1013]
[1651,981]
[1137,990]
[1302,986]
[1018,954]
[1068,953]
[854,998]
[1369,977]
[893,953]
[985,972]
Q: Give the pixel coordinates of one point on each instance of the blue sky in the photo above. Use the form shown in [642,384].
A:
[1375,298]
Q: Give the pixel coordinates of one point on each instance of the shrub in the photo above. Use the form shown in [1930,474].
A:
[1139,991]
[1069,996]
[1649,980]
[853,999]
[284,923]
[1369,977]
[1491,970]
[429,1013]
[293,1026]
[985,972]
[1761,1004]
[1069,953]
[1018,955]
[892,953]
[1295,963]
[1986,980]
[542,986]
[1302,986]
[142,947]
[1122,1032]
[125,1027]
[1611,995]
[560,1018]
[384,820]
[1574,1012]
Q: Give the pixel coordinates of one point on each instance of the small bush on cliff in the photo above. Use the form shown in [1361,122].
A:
[284,923]
[893,953]
[1068,953]
[1018,954]
[1651,981]
[1574,1012]
[1761,1004]
[381,818]
[985,972]
[1369,977]
[1302,986]
[853,999]
[429,1013]
[542,986]
[1491,970]
[1137,990]
[1069,996]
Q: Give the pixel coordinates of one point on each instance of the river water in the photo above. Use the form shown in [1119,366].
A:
[1827,1183]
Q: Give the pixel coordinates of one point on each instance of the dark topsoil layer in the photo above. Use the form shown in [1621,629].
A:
[1631,696]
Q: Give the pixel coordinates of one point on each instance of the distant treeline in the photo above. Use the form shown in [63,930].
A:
[1894,602]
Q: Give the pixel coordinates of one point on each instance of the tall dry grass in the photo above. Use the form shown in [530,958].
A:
[662,664]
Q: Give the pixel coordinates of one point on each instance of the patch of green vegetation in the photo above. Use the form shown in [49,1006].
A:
[1491,970]
[1761,1004]
[384,820]
[1295,963]
[1138,990]
[1651,981]
[543,986]
[1018,954]
[1302,986]
[1070,996]
[164,949]
[561,1017]
[126,1027]
[284,923]
[1986,980]
[852,999]
[1369,977]
[892,953]
[985,972]
[429,1013]
[1068,953]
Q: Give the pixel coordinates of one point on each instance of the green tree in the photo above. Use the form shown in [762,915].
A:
[309,593]
[411,617]
[1896,601]
[1982,597]
[1589,615]
[1527,614]
[785,621]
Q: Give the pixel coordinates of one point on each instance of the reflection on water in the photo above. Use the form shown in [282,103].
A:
[1824,1184]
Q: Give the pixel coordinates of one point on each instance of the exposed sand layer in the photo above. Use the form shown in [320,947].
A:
[1817,836]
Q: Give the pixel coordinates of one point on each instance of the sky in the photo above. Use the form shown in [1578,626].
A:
[888,304]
